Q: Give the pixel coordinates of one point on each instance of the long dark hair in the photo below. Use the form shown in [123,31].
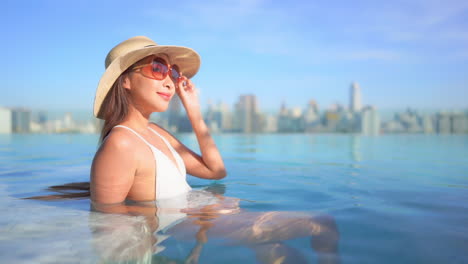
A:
[115,106]
[114,109]
[67,191]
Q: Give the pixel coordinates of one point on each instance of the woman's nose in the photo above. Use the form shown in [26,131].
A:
[168,83]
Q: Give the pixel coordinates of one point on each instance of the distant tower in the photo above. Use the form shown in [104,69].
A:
[247,114]
[174,113]
[311,113]
[6,126]
[226,117]
[312,120]
[370,123]
[68,121]
[21,120]
[283,109]
[355,98]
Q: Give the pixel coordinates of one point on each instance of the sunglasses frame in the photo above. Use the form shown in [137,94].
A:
[163,62]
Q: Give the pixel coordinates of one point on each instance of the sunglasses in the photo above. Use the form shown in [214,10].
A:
[158,69]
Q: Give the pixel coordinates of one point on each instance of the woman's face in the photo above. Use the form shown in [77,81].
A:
[149,94]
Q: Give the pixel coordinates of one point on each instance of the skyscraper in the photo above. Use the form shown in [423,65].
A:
[355,98]
[247,114]
[370,122]
[226,117]
[5,121]
[312,120]
[443,123]
[21,120]
[459,123]
[174,113]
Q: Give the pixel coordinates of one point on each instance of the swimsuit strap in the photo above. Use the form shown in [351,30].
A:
[138,135]
[164,139]
[175,154]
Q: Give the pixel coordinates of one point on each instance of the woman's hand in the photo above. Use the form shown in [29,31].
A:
[188,94]
[225,205]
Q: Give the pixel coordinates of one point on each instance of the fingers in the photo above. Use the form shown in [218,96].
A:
[185,84]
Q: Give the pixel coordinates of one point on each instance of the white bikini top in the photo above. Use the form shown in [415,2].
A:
[170,178]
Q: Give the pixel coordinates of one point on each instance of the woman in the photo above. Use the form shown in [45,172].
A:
[138,160]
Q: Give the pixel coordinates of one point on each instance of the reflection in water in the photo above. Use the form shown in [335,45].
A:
[356,148]
[246,144]
[136,233]
[121,238]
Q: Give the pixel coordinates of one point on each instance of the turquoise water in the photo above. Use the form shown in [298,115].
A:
[394,199]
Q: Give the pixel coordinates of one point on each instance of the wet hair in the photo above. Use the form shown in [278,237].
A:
[75,190]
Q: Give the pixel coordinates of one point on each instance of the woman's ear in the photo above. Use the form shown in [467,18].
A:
[126,82]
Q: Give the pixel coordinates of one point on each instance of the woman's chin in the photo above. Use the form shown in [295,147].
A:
[160,108]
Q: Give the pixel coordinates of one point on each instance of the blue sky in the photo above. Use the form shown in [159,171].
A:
[402,53]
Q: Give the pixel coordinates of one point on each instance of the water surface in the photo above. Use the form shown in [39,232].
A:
[394,198]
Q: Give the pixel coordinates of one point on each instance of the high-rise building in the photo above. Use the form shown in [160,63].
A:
[331,120]
[312,122]
[349,122]
[271,124]
[459,123]
[21,120]
[39,117]
[247,119]
[68,122]
[427,124]
[290,120]
[226,117]
[218,117]
[370,121]
[411,121]
[355,98]
[173,116]
[311,114]
[284,122]
[443,123]
[213,117]
[5,121]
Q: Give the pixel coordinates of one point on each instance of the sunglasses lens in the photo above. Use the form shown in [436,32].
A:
[175,74]
[158,70]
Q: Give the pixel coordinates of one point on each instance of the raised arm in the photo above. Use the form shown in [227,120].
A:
[210,164]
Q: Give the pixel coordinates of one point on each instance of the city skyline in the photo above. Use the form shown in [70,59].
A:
[279,51]
[86,113]
[245,116]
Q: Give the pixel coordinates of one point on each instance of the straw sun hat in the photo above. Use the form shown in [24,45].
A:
[128,52]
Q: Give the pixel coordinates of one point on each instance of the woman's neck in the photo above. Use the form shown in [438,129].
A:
[136,119]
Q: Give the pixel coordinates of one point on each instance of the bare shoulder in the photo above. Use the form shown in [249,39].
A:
[119,141]
[117,150]
[113,168]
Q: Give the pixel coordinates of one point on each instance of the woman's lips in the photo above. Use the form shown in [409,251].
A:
[165,96]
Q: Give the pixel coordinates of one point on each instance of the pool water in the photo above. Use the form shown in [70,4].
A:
[394,199]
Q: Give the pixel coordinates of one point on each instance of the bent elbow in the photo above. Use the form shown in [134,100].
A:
[220,174]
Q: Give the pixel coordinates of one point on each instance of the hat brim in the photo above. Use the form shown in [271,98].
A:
[185,58]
